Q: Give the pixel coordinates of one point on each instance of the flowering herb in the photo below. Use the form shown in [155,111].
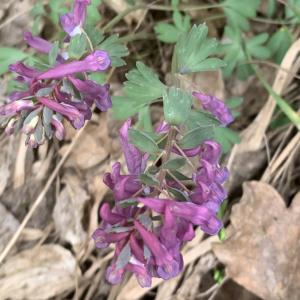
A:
[62,88]
[165,196]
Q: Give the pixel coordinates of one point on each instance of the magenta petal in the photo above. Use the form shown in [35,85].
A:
[23,70]
[114,275]
[215,106]
[72,113]
[103,239]
[108,216]
[37,43]
[59,129]
[79,11]
[141,273]
[95,62]
[15,107]
[133,156]
[158,205]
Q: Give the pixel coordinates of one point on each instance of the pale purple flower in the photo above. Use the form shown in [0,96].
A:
[15,107]
[59,129]
[215,106]
[70,112]
[24,70]
[73,22]
[37,43]
[93,92]
[95,62]
[103,238]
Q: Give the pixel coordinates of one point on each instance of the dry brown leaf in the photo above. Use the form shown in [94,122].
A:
[39,273]
[8,225]
[69,210]
[92,148]
[262,252]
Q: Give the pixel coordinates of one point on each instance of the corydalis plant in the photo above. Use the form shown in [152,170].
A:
[63,86]
[174,180]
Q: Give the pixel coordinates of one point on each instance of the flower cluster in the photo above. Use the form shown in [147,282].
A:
[62,91]
[149,222]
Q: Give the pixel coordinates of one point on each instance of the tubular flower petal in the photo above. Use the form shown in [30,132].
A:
[95,62]
[216,107]
[37,43]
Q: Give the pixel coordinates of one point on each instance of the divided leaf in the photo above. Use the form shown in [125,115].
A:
[77,46]
[237,50]
[226,137]
[141,88]
[193,49]
[238,12]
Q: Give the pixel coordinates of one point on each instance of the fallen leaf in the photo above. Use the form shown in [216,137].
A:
[8,225]
[262,252]
[92,147]
[69,210]
[39,273]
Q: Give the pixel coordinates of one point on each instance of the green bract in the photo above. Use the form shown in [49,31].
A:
[192,52]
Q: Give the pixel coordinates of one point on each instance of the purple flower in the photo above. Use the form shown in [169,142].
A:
[211,151]
[215,106]
[73,22]
[93,92]
[23,70]
[141,273]
[70,112]
[59,129]
[37,43]
[133,156]
[114,275]
[167,266]
[95,62]
[108,216]
[14,107]
[123,186]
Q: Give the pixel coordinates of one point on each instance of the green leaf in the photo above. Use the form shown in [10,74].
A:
[93,15]
[292,10]
[193,49]
[226,137]
[177,175]
[145,122]
[234,103]
[9,56]
[142,83]
[177,106]
[178,194]
[170,33]
[57,8]
[53,53]
[143,141]
[141,88]
[115,49]
[200,119]
[279,44]
[149,179]
[127,203]
[196,136]
[77,46]
[174,164]
[235,55]
[271,8]
[238,12]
